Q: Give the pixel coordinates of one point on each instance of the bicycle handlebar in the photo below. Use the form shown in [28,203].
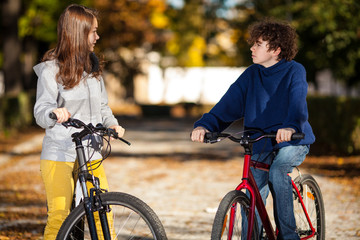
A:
[213,137]
[89,128]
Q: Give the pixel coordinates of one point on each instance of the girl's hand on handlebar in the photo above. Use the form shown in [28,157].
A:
[198,134]
[119,130]
[284,135]
[62,114]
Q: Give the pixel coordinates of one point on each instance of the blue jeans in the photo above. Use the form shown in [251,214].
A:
[278,182]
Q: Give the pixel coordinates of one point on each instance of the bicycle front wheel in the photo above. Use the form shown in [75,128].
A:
[129,218]
[314,205]
[229,222]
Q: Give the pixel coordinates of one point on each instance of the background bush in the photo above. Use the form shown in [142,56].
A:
[16,112]
[336,124]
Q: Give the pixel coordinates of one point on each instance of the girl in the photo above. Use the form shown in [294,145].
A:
[69,85]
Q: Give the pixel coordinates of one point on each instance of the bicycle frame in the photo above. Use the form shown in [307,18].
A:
[89,209]
[248,183]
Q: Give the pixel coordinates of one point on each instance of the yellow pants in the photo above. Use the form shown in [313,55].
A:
[59,187]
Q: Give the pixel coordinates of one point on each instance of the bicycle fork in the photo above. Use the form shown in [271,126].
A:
[305,210]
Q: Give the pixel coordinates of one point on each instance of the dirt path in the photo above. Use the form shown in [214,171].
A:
[182,181]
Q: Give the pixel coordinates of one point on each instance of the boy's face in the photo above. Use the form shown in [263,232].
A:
[262,55]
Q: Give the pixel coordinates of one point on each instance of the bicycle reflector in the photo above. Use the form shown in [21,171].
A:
[310,195]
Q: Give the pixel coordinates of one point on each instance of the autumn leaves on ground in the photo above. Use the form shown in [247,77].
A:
[22,198]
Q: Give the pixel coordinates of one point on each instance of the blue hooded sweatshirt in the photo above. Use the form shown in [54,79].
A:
[267,98]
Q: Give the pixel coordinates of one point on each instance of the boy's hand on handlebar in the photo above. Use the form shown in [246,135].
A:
[62,114]
[198,134]
[119,130]
[284,135]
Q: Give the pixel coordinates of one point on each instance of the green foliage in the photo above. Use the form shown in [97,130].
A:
[40,18]
[207,33]
[329,34]
[336,125]
[16,111]
[328,30]
[202,35]
[187,39]
[335,35]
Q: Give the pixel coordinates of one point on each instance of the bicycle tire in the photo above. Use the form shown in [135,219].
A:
[131,217]
[313,200]
[221,224]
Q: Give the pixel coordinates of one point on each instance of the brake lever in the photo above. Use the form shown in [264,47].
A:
[73,123]
[68,123]
[211,137]
[212,141]
[113,133]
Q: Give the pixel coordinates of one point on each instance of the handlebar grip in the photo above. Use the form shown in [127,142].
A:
[211,136]
[297,136]
[270,135]
[70,122]
[52,115]
[125,141]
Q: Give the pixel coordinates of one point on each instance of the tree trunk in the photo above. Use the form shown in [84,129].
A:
[11,46]
[30,56]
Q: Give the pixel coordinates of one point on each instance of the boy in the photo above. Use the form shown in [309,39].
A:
[269,95]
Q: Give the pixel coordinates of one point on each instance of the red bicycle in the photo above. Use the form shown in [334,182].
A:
[309,208]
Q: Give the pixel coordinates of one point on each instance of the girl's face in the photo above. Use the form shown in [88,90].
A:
[93,36]
[262,55]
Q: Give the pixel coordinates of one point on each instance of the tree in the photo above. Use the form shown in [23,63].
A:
[126,27]
[128,30]
[201,34]
[11,46]
[38,32]
[329,34]
[188,29]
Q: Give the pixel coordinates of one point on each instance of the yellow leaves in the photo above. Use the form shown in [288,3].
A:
[159,5]
[192,56]
[196,52]
[173,45]
[159,20]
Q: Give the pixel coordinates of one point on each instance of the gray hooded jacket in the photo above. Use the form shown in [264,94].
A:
[88,102]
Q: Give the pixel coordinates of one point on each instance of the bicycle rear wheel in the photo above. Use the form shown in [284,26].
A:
[314,204]
[130,218]
[221,226]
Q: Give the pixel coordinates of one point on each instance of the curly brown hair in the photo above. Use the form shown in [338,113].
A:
[277,34]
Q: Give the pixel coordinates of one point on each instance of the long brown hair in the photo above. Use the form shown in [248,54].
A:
[72,50]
